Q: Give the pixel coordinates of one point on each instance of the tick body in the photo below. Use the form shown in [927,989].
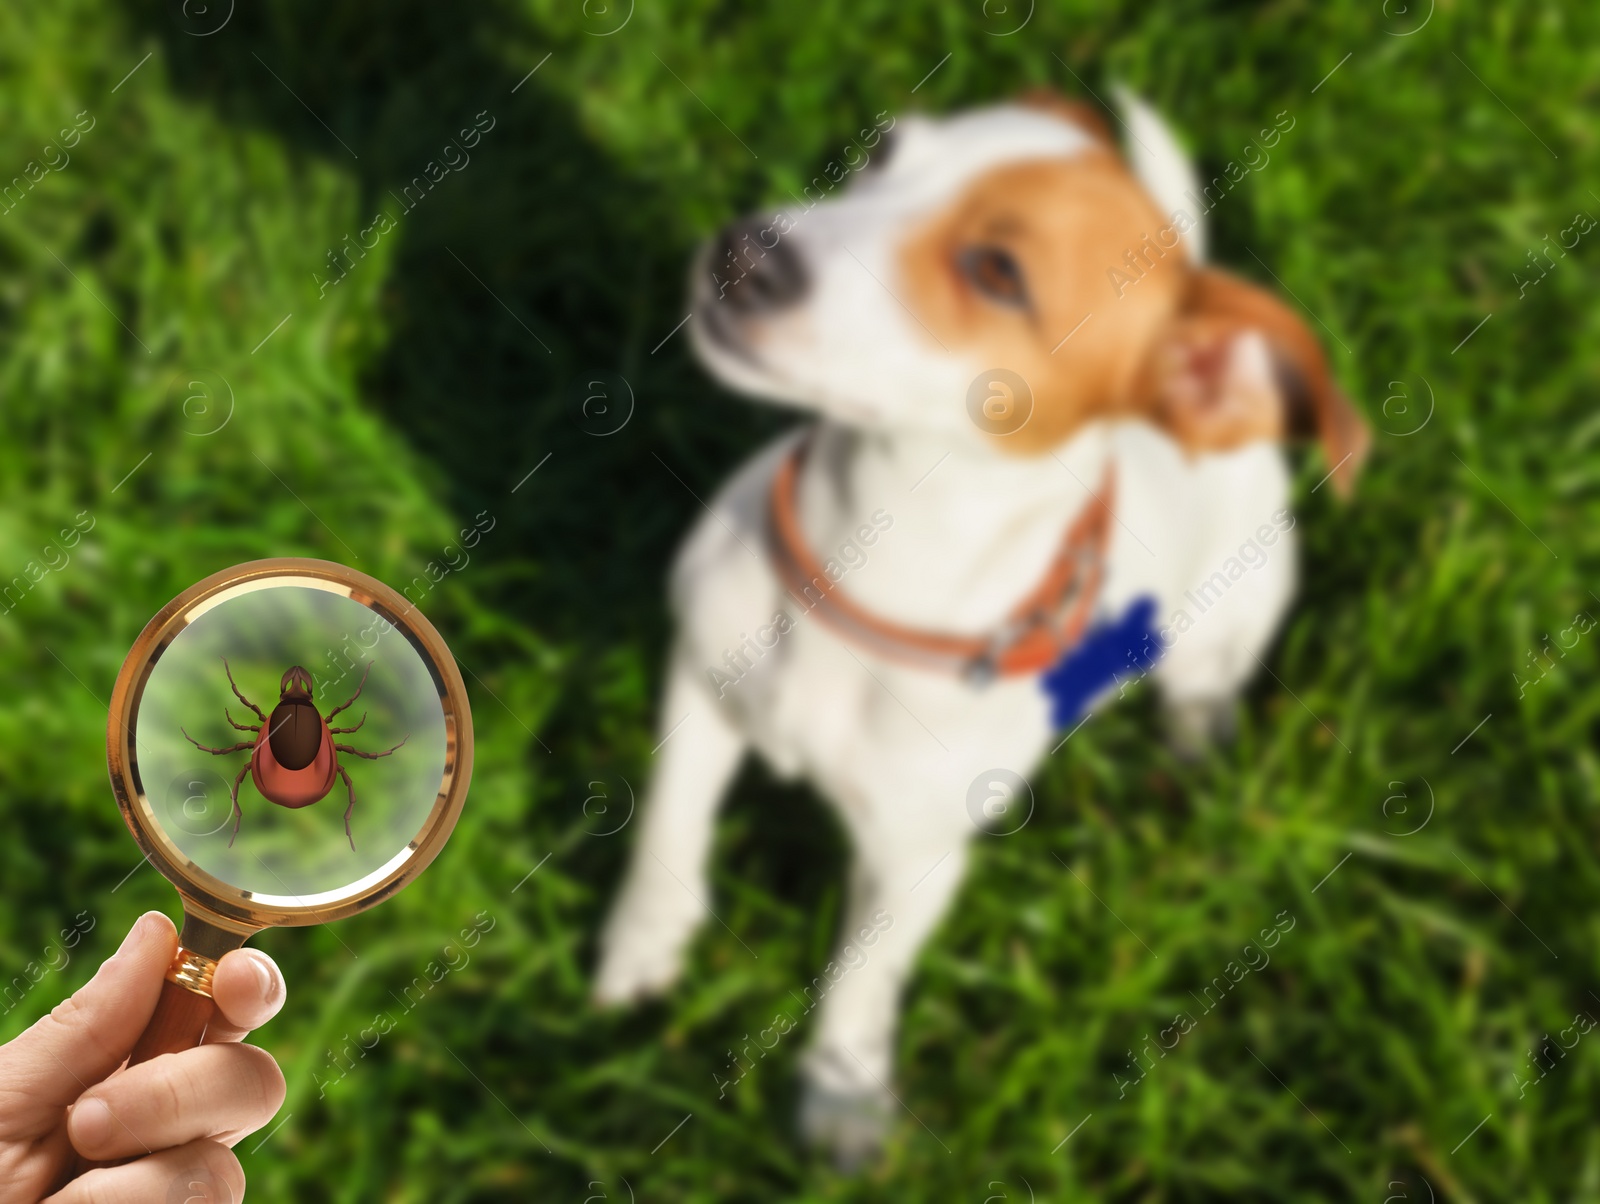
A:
[293,756]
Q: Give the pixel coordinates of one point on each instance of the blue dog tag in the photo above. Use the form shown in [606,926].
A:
[1110,649]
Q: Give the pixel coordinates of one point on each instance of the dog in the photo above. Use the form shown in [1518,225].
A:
[1049,459]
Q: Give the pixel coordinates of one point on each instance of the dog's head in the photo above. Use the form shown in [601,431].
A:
[1004,276]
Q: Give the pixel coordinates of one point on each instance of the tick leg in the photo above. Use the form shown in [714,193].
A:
[237,814]
[217,751]
[238,695]
[243,727]
[359,687]
[356,752]
[350,786]
[344,731]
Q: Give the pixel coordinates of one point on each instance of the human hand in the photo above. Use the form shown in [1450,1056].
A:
[64,1090]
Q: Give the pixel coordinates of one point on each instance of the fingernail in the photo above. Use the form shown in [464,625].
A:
[271,986]
[90,1125]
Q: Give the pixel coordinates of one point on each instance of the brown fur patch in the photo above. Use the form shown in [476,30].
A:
[1082,231]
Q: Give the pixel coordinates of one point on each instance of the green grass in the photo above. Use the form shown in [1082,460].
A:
[379,420]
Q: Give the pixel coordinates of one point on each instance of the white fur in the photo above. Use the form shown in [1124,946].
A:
[896,749]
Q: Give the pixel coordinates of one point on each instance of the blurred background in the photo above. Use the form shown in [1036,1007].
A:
[214,347]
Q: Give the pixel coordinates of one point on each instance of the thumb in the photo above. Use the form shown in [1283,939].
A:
[89,1035]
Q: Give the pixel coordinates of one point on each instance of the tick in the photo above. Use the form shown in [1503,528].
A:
[293,757]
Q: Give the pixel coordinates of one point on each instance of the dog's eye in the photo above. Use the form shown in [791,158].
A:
[994,273]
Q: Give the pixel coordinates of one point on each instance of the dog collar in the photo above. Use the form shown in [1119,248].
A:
[1040,629]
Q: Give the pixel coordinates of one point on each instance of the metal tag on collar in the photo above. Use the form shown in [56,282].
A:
[980,671]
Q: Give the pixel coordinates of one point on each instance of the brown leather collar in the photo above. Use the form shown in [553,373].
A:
[1045,624]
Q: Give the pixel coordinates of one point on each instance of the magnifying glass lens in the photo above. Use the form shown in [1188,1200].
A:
[290,742]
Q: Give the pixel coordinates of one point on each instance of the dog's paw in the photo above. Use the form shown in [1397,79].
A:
[642,951]
[851,1127]
[1196,725]
[634,972]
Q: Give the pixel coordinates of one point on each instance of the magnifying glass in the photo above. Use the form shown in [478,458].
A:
[290,743]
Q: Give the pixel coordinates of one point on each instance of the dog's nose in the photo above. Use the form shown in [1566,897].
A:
[752,276]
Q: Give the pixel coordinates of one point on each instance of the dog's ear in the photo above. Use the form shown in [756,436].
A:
[1080,113]
[1160,163]
[1152,152]
[1237,364]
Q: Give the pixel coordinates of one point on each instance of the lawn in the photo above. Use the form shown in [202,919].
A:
[1411,809]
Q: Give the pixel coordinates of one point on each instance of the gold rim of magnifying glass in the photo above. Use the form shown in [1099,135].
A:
[241,911]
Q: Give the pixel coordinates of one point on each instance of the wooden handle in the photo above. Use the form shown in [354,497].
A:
[184,1010]
[180,1022]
